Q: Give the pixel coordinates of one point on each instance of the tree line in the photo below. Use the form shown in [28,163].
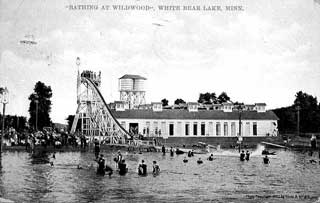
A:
[204,98]
[19,123]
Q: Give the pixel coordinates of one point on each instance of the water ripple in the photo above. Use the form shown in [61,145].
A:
[225,179]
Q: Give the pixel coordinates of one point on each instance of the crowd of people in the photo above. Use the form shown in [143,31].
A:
[44,138]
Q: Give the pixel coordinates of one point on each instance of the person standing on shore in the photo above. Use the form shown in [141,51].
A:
[142,169]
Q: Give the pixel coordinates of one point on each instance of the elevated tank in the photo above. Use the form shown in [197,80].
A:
[139,85]
[126,84]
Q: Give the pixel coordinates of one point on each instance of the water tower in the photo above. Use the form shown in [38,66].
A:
[132,90]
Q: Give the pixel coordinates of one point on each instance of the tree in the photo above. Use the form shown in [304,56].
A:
[207,98]
[309,115]
[164,102]
[309,112]
[40,105]
[223,97]
[287,119]
[306,101]
[179,101]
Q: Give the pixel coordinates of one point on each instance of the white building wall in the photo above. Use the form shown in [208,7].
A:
[264,127]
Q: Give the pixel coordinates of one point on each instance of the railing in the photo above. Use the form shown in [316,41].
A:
[140,142]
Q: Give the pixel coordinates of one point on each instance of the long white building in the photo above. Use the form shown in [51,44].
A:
[215,120]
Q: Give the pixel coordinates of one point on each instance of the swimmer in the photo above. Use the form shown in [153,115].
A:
[199,161]
[122,167]
[242,156]
[142,169]
[210,158]
[266,160]
[51,163]
[312,161]
[185,160]
[54,155]
[156,168]
[101,165]
[247,155]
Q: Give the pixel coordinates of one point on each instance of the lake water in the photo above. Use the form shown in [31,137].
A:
[290,177]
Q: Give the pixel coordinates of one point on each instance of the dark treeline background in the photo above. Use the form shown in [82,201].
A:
[19,123]
[309,109]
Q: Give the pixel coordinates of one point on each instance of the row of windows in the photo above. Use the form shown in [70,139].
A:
[224,128]
[218,129]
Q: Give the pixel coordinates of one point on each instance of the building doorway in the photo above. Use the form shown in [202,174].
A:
[134,128]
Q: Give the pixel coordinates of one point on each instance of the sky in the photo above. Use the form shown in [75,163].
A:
[266,52]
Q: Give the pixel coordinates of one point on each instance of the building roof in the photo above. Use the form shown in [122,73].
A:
[128,76]
[261,104]
[156,102]
[227,104]
[185,114]
[121,102]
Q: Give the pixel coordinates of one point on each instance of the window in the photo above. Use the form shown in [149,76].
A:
[210,128]
[218,129]
[147,128]
[203,129]
[195,129]
[233,129]
[187,128]
[255,128]
[171,129]
[123,124]
[225,129]
[247,131]
[163,130]
[179,129]
[155,127]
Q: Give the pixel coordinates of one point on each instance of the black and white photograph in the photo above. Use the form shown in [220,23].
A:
[160,101]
